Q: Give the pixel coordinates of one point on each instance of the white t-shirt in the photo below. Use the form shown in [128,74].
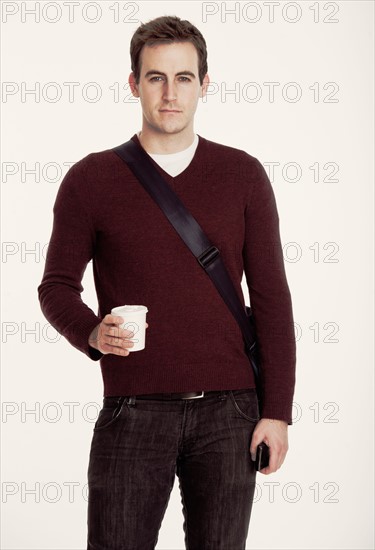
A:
[175,163]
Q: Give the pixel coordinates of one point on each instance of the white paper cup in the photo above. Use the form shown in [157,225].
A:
[134,320]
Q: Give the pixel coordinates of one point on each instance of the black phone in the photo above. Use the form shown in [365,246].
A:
[262,457]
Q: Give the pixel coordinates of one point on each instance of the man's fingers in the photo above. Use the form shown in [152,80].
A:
[272,466]
[119,342]
[276,460]
[118,332]
[110,338]
[116,345]
[116,350]
[110,319]
[274,433]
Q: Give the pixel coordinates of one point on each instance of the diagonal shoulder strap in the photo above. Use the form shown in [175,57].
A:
[192,234]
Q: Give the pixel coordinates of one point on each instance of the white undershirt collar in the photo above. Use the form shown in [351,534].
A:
[175,163]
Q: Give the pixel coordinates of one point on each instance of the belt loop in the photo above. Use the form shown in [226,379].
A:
[223,395]
[131,400]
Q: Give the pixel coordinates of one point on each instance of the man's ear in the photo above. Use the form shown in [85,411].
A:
[133,85]
[203,88]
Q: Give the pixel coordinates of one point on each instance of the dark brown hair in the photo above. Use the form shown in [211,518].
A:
[165,30]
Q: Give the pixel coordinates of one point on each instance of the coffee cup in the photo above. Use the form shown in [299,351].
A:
[134,320]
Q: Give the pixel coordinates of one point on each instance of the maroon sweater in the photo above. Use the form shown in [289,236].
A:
[193,342]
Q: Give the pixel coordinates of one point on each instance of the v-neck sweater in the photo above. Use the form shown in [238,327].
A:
[193,343]
[175,163]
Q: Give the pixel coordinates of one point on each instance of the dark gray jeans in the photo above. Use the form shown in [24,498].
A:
[137,448]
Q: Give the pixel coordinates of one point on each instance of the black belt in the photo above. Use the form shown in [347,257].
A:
[183,395]
[171,396]
[189,394]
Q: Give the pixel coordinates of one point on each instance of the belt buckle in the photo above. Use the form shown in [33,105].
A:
[195,396]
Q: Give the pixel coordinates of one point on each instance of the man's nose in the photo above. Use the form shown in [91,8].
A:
[169,92]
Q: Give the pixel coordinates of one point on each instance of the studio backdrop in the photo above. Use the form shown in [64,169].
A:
[291,84]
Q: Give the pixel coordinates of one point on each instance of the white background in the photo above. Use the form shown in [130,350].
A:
[322,496]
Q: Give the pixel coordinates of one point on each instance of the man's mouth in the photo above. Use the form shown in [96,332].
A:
[169,111]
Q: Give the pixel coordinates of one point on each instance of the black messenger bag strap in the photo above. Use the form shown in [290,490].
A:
[195,239]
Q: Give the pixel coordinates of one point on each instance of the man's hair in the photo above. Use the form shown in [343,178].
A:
[166,30]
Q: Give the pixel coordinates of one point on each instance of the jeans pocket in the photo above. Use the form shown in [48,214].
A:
[245,403]
[109,414]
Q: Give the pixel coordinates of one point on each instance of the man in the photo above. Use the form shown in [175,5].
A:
[186,404]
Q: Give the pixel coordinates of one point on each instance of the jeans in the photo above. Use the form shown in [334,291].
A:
[137,448]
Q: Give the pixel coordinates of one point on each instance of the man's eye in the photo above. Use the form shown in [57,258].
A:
[185,79]
[155,77]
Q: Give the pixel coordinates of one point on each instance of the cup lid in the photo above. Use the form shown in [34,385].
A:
[129,309]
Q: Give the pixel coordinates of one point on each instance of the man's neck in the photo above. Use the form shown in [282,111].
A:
[164,144]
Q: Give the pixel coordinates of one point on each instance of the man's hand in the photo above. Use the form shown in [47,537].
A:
[275,434]
[108,337]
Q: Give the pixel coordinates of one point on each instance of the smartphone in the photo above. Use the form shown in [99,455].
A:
[262,457]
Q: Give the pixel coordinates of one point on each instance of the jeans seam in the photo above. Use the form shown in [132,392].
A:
[240,412]
[116,413]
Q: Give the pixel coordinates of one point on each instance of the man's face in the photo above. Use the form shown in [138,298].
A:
[169,87]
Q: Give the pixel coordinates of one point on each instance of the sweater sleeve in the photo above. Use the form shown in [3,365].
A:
[70,249]
[270,297]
